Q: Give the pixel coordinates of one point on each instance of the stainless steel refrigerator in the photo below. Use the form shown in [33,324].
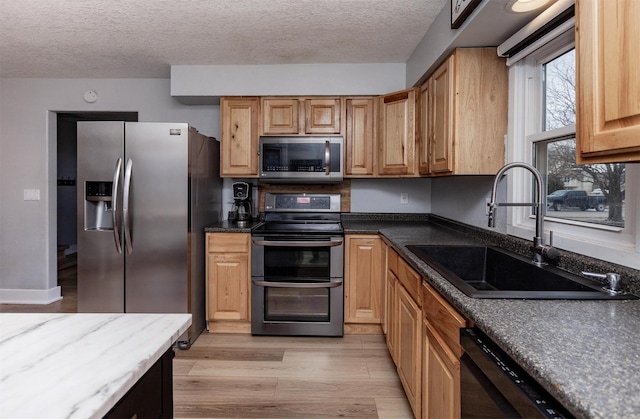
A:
[146,191]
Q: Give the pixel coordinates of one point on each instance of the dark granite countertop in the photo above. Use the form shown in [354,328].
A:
[584,353]
[229,227]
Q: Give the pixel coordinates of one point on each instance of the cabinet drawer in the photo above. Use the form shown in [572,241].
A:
[445,319]
[410,280]
[228,242]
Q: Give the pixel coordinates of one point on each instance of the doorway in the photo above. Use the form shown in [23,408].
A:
[67,215]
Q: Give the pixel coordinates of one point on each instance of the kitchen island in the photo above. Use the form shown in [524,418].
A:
[81,365]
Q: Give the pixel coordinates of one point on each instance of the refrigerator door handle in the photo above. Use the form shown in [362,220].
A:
[125,206]
[114,205]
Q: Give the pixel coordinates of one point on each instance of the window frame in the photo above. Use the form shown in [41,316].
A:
[616,245]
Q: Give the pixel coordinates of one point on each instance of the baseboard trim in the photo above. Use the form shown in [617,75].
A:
[18,296]
[229,326]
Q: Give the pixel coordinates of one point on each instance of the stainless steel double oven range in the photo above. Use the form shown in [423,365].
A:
[297,265]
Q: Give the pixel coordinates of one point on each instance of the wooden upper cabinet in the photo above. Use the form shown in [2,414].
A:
[439,119]
[608,81]
[301,115]
[322,116]
[360,137]
[239,142]
[424,131]
[280,116]
[397,137]
[467,119]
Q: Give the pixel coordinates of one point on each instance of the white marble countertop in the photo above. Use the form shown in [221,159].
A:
[78,365]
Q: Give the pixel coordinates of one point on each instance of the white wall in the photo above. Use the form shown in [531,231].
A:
[488,25]
[189,82]
[464,199]
[28,161]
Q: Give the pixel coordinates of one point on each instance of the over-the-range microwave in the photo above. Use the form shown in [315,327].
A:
[317,159]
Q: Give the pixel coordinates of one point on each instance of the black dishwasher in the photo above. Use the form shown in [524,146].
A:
[492,385]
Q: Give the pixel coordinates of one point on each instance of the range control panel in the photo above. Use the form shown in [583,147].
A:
[275,202]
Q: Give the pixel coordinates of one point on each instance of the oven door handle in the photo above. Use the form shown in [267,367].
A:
[268,284]
[297,243]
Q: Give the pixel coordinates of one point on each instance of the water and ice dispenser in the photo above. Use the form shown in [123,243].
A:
[98,206]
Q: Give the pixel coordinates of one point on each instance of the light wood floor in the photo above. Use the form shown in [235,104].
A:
[244,376]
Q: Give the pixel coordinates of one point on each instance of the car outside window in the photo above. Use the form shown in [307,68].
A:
[602,220]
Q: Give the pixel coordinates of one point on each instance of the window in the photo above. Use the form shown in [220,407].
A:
[587,205]
[592,193]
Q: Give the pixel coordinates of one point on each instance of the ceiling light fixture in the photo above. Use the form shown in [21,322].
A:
[522,6]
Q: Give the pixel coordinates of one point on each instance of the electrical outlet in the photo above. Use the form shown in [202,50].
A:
[404,198]
[31,194]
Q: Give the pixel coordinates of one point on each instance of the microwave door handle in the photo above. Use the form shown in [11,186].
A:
[269,284]
[327,157]
[296,243]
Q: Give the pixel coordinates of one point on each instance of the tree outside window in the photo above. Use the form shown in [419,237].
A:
[604,183]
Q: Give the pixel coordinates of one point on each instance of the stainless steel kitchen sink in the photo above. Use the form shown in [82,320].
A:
[488,272]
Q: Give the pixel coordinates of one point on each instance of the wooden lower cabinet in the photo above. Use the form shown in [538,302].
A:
[441,356]
[228,282]
[363,292]
[423,336]
[409,348]
[440,378]
[390,316]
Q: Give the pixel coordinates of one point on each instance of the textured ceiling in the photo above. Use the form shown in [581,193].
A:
[142,38]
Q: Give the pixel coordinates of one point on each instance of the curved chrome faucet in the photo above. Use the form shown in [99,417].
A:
[539,249]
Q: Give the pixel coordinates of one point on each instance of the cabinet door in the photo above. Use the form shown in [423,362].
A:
[239,143]
[409,348]
[228,282]
[442,93]
[425,125]
[391,315]
[280,116]
[479,100]
[608,81]
[322,116]
[397,146]
[441,378]
[359,139]
[364,280]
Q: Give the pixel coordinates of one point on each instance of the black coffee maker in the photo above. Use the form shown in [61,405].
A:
[241,212]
